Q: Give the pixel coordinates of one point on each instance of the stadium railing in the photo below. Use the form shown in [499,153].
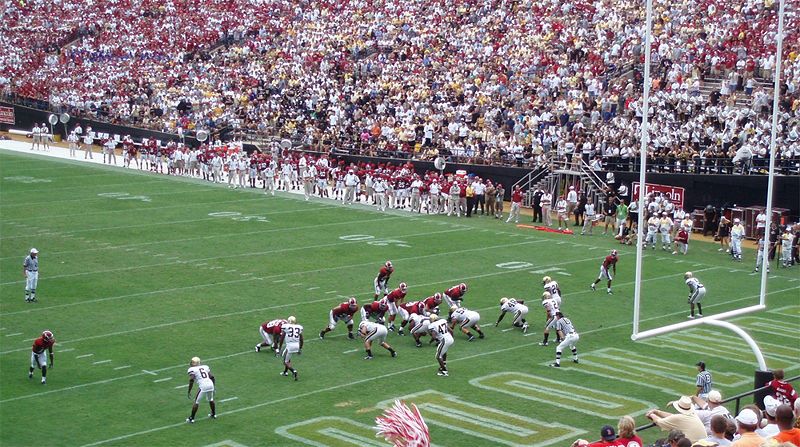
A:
[737,398]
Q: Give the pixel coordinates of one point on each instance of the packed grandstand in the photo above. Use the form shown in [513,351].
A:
[477,81]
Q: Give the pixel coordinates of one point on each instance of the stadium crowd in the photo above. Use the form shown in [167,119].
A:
[478,81]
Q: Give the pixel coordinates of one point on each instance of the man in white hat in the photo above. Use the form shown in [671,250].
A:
[685,420]
[746,423]
[30,268]
[771,428]
[710,407]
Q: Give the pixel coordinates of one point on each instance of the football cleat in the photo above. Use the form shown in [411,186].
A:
[321,335]
[481,336]
[294,374]
[610,292]
[593,287]
[285,373]
[543,343]
[400,332]
[394,353]
[30,375]
[700,315]
[44,380]
[212,416]
[419,344]
[190,420]
[525,328]
[442,373]
[575,361]
[691,317]
[555,365]
[258,348]
[471,338]
[350,336]
[369,357]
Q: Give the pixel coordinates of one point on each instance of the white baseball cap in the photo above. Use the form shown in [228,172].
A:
[747,417]
[34,251]
[715,397]
[771,405]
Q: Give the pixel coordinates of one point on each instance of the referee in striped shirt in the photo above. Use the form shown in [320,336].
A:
[703,381]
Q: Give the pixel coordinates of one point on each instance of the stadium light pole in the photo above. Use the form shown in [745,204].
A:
[645,136]
[772,150]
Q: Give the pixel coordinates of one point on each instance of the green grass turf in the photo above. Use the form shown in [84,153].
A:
[149,284]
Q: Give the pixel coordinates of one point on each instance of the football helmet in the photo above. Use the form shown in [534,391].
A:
[433,317]
[388,265]
[546,279]
[613,252]
[453,308]
[352,303]
[546,296]
[291,320]
[47,335]
[382,305]
[195,361]
[437,297]
[403,287]
[687,275]
[503,300]
[462,287]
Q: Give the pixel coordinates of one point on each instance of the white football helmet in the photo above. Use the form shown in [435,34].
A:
[291,320]
[687,275]
[503,300]
[546,279]
[195,361]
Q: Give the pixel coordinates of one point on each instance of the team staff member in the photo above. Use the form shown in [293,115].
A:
[38,360]
[30,268]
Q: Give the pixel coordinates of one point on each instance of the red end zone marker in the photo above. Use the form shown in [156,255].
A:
[547,229]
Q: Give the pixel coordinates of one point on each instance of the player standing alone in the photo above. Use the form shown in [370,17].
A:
[696,293]
[38,359]
[30,268]
[205,387]
[382,280]
[610,262]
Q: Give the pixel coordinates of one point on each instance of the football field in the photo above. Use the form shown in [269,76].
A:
[139,273]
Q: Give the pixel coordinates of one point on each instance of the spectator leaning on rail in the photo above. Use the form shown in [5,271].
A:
[684,420]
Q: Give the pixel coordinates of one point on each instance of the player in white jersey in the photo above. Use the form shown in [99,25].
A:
[518,308]
[665,225]
[205,387]
[553,288]
[374,332]
[568,336]
[696,293]
[737,234]
[419,327]
[444,336]
[466,319]
[292,343]
[652,227]
[551,307]
[760,256]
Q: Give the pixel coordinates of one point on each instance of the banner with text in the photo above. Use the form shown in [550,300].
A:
[673,193]
[6,115]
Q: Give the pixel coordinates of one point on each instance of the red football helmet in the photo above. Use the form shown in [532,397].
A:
[47,335]
[403,287]
[614,253]
[389,265]
[437,297]
[382,305]
[352,303]
[462,287]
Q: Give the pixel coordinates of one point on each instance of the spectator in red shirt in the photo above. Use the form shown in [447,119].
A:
[609,439]
[782,390]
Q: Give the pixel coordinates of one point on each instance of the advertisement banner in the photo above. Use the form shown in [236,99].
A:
[6,115]
[673,193]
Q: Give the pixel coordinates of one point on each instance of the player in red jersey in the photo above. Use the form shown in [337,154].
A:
[431,303]
[38,358]
[407,310]
[270,331]
[393,300]
[454,295]
[343,312]
[609,263]
[782,390]
[382,280]
[375,309]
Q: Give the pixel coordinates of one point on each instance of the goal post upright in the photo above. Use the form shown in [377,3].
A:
[643,149]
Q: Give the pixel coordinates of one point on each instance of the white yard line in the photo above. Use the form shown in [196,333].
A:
[122,367]
[172,260]
[84,356]
[228,399]
[14,334]
[100,362]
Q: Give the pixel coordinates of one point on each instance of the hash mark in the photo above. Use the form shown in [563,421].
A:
[228,399]
[162,380]
[149,372]
[84,356]
[101,362]
[122,367]
[14,334]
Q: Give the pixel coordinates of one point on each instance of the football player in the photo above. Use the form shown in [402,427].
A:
[551,307]
[454,295]
[553,288]
[566,331]
[292,338]
[343,312]
[381,281]
[419,327]
[375,309]
[609,262]
[518,308]
[466,319]
[270,332]
[444,336]
[374,332]
[408,310]
[205,383]
[431,303]
[38,358]
[393,300]
[696,293]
